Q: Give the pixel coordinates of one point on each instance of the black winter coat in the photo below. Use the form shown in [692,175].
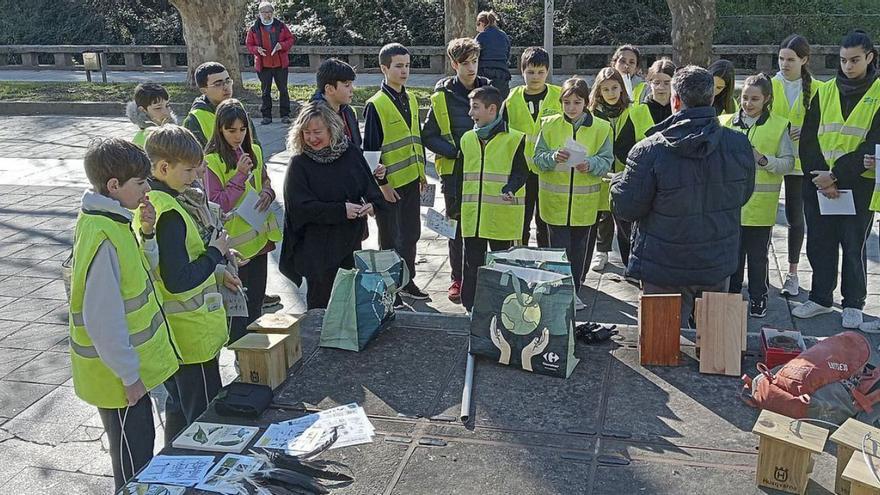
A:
[685,186]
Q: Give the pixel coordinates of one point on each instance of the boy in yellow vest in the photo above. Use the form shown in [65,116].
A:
[524,109]
[493,174]
[149,108]
[446,122]
[190,268]
[120,345]
[214,83]
[392,127]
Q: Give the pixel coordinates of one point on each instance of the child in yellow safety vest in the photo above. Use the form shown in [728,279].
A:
[627,61]
[725,81]
[149,108]
[120,345]
[237,175]
[610,101]
[570,191]
[774,157]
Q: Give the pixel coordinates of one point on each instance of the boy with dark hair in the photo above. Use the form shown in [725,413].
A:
[446,122]
[150,107]
[120,345]
[215,85]
[493,173]
[188,275]
[524,109]
[335,80]
[392,127]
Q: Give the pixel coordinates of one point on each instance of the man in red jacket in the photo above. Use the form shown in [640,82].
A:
[269,40]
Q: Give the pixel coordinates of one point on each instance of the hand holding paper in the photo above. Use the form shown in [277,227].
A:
[842,204]
[577,154]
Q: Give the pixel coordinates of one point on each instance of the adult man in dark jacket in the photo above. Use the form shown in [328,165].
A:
[685,186]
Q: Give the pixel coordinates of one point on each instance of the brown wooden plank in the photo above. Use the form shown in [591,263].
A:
[659,329]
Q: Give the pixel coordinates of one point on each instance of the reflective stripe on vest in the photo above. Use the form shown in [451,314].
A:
[402,151]
[568,197]
[243,237]
[760,210]
[486,169]
[443,165]
[520,117]
[793,112]
[839,136]
[93,380]
[198,322]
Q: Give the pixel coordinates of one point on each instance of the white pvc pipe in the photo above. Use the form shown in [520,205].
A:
[466,390]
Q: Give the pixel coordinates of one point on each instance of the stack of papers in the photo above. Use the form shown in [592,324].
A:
[183,470]
[301,435]
[145,489]
[227,474]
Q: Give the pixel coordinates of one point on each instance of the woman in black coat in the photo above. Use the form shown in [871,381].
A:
[328,194]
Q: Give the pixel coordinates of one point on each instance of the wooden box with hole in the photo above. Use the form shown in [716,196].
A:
[785,451]
[850,438]
[282,323]
[861,478]
[261,358]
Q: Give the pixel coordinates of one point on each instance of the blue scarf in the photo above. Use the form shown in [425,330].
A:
[484,131]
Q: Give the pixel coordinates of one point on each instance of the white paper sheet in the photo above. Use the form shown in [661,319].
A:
[577,154]
[628,85]
[372,158]
[248,211]
[427,196]
[229,468]
[843,205]
[183,470]
[152,489]
[438,223]
[304,434]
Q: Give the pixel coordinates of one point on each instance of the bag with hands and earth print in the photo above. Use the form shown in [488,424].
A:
[524,317]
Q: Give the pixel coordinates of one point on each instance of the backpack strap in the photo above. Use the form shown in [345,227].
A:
[863,398]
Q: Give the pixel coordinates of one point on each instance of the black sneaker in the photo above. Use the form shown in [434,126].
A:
[266,120]
[758,307]
[398,302]
[271,300]
[413,292]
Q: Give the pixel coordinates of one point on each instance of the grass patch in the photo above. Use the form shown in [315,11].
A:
[179,92]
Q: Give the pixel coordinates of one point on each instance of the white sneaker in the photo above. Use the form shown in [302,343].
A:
[852,318]
[791,286]
[809,309]
[578,304]
[870,326]
[600,259]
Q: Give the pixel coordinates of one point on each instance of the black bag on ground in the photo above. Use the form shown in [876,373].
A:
[247,400]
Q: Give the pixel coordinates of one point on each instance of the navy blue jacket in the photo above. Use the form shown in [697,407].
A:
[685,186]
[349,118]
[494,49]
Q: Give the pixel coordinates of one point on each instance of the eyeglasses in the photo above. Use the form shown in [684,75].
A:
[220,84]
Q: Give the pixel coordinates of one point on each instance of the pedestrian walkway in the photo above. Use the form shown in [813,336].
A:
[51,441]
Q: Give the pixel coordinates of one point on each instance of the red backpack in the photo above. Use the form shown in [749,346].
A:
[832,380]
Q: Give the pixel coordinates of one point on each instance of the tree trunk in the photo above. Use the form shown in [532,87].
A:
[212,29]
[693,24]
[460,21]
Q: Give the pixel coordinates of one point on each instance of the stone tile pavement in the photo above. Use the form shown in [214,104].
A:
[48,438]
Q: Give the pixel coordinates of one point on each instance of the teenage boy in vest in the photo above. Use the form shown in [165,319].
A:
[493,173]
[392,127]
[335,80]
[215,85]
[448,119]
[524,109]
[120,345]
[149,108]
[189,270]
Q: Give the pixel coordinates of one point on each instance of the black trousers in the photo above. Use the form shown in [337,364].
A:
[400,224]
[253,278]
[754,247]
[533,210]
[603,235]
[499,78]
[574,240]
[794,215]
[320,285]
[279,75]
[190,391]
[453,210]
[828,235]
[131,435]
[475,249]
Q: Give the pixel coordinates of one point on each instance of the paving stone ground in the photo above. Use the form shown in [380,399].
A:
[48,438]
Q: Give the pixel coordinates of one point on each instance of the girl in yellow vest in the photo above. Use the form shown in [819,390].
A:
[570,191]
[774,157]
[840,130]
[626,60]
[655,107]
[793,89]
[609,101]
[725,84]
[236,173]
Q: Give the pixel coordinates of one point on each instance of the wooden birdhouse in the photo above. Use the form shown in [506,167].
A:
[849,438]
[286,324]
[261,358]
[785,451]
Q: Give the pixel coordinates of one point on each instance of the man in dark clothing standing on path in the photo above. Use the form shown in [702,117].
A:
[269,40]
[494,52]
[685,186]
